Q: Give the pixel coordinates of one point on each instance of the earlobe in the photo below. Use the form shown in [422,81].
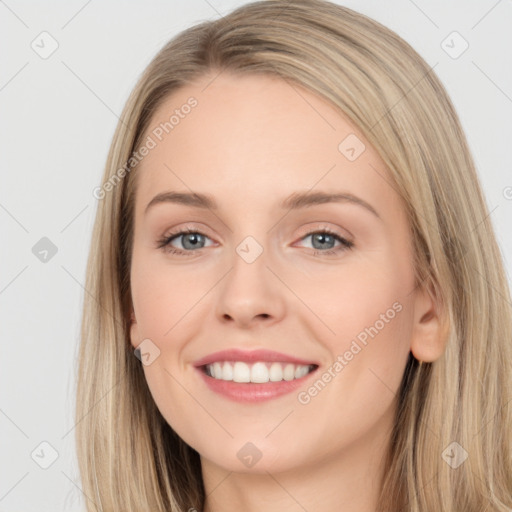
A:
[430,328]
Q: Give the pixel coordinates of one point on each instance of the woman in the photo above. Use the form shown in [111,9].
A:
[292,240]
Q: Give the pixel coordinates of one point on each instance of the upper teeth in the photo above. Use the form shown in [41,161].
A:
[259,372]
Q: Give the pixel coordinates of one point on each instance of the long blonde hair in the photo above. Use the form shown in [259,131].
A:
[129,457]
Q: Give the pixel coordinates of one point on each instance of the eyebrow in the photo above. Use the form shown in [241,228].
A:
[295,201]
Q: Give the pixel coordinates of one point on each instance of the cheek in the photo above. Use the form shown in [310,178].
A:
[356,296]
[366,309]
[356,390]
[162,296]
[180,408]
[163,302]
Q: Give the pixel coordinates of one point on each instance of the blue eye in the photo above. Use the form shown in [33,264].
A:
[192,240]
[326,239]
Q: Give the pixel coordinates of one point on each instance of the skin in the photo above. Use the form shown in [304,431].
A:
[251,142]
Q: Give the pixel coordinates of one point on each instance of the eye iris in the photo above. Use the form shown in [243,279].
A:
[193,238]
[322,238]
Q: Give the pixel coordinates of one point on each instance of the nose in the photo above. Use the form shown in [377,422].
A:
[250,294]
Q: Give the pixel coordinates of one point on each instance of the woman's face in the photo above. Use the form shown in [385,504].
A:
[296,275]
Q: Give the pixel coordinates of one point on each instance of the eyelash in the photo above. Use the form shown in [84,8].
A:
[164,242]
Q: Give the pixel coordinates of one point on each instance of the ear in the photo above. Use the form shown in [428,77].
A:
[134,330]
[430,329]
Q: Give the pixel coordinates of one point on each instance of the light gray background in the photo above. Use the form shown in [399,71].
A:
[57,118]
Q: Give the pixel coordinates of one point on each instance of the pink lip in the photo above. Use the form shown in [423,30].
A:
[252,356]
[250,392]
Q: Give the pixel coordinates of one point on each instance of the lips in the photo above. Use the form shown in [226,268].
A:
[250,376]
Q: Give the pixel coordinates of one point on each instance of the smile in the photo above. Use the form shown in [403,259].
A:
[259,372]
[255,375]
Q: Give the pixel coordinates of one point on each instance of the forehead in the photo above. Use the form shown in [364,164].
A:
[255,138]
